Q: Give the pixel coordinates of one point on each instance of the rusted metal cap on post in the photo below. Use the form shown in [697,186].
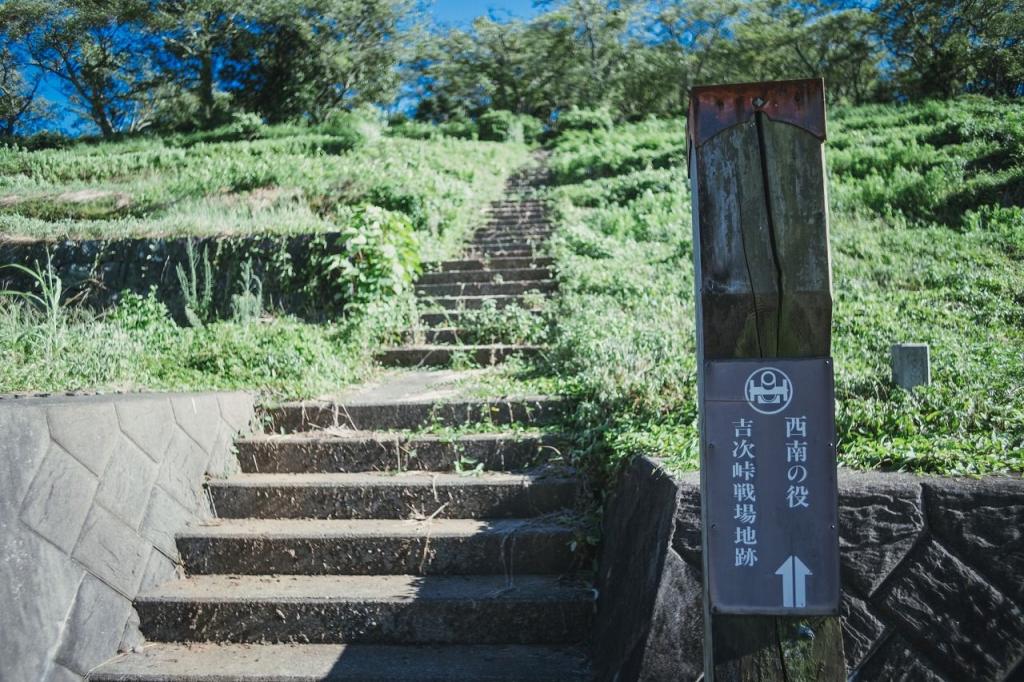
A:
[714,108]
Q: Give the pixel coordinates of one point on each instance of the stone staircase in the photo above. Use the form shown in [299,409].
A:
[502,266]
[350,546]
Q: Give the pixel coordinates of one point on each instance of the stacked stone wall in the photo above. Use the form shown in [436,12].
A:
[932,571]
[97,272]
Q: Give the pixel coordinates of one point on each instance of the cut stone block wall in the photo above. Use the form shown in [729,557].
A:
[932,571]
[92,492]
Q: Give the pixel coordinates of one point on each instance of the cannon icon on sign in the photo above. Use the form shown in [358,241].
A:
[768,390]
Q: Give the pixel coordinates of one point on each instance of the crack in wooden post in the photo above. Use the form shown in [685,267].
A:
[772,238]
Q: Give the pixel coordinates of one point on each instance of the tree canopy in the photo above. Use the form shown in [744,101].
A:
[128,65]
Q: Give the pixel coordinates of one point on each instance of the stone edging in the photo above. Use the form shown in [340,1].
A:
[932,576]
[93,490]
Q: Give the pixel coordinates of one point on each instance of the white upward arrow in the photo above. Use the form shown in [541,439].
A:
[794,582]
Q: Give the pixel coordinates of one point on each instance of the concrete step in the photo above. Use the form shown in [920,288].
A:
[449,318]
[470,337]
[518,209]
[491,264]
[377,495]
[522,235]
[476,302]
[530,212]
[171,662]
[518,241]
[517,217]
[414,414]
[515,201]
[516,225]
[517,220]
[526,609]
[367,451]
[438,335]
[489,275]
[377,547]
[486,288]
[444,355]
[503,251]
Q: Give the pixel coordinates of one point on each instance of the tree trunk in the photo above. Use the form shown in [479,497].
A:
[206,88]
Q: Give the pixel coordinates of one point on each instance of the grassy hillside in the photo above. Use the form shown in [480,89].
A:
[927,242]
[239,179]
[250,178]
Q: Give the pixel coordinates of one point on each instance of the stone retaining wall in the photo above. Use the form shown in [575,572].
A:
[92,492]
[96,272]
[932,569]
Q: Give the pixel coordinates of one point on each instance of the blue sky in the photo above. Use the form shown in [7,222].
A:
[464,11]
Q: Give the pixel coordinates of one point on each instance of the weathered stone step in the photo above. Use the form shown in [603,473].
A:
[312,452]
[468,337]
[517,202]
[519,211]
[377,495]
[450,317]
[171,662]
[475,302]
[443,355]
[517,217]
[489,275]
[503,252]
[377,547]
[524,235]
[534,232]
[491,264]
[517,222]
[502,216]
[414,414]
[527,609]
[507,242]
[438,335]
[486,288]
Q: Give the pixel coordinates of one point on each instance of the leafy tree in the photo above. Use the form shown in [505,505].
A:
[492,65]
[571,55]
[21,110]
[95,52]
[305,60]
[196,38]
[942,47]
[774,39]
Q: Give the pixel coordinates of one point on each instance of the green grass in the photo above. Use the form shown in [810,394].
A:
[927,243]
[138,347]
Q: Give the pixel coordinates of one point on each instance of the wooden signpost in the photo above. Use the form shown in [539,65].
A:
[764,313]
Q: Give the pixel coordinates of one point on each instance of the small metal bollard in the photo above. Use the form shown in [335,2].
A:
[911,365]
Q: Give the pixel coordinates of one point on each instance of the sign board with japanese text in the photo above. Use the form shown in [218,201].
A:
[771,492]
